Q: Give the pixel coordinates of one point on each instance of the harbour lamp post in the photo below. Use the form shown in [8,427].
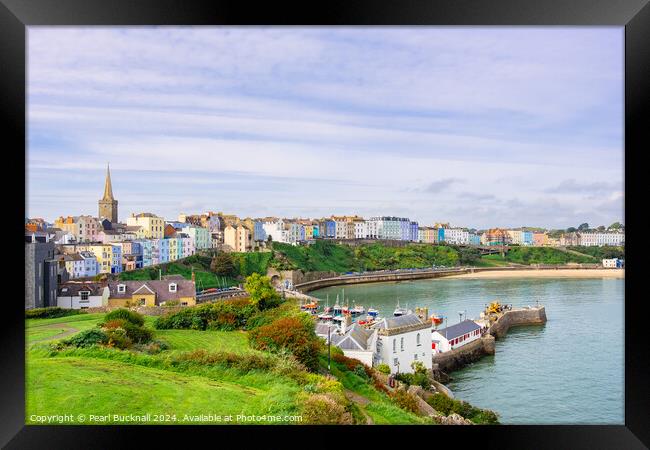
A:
[329,346]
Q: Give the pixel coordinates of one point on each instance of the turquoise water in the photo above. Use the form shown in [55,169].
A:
[568,371]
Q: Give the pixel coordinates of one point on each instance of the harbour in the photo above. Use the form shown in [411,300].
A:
[530,361]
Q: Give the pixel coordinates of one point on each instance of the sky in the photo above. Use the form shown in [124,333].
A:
[479,127]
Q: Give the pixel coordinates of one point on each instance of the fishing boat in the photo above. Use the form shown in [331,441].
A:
[372,312]
[399,311]
[436,320]
[358,309]
[325,316]
[338,318]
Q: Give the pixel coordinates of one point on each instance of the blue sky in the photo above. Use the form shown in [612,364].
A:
[473,126]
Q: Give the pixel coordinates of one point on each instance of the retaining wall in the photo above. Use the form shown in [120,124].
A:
[522,316]
[467,354]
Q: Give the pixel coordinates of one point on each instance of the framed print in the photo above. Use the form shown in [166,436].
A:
[354,222]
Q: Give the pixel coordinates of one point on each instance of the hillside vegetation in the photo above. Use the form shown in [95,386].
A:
[328,256]
[540,255]
[187,372]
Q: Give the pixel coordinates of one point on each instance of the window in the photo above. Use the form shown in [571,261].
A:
[142,301]
[121,288]
[84,295]
[415,356]
[394,345]
[395,362]
[418,339]
[402,344]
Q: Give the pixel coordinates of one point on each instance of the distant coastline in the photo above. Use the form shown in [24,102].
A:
[545,273]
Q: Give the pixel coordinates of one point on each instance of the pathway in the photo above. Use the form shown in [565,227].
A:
[362,402]
[67,332]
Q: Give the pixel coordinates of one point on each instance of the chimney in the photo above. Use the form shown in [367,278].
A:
[347,322]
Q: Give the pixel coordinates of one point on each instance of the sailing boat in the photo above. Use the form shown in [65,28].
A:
[399,311]
[337,307]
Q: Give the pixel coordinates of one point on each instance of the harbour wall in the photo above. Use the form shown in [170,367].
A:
[320,280]
[376,278]
[467,354]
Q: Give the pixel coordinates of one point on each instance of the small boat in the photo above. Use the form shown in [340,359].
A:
[372,312]
[325,316]
[399,311]
[338,318]
[358,309]
[436,320]
[362,322]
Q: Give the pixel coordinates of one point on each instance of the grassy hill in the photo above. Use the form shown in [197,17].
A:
[328,256]
[540,255]
[100,380]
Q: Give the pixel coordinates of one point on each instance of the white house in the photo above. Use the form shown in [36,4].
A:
[592,239]
[90,266]
[455,336]
[356,341]
[403,340]
[456,236]
[613,263]
[78,295]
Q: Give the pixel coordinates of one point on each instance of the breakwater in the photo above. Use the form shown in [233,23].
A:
[398,275]
[475,350]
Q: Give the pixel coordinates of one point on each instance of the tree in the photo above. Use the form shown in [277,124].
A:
[570,230]
[223,264]
[616,226]
[583,227]
[262,292]
[601,228]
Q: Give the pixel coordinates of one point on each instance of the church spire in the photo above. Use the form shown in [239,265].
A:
[108,189]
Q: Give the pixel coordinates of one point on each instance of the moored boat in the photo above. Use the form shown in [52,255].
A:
[436,320]
[399,311]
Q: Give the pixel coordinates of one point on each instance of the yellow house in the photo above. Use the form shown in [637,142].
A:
[152,226]
[103,253]
[173,249]
[152,293]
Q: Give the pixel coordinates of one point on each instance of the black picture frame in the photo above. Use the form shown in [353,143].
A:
[634,15]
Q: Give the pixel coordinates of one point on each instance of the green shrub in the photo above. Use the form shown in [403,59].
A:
[360,370]
[242,362]
[51,312]
[405,400]
[383,368]
[128,315]
[321,409]
[224,314]
[262,292]
[117,338]
[140,335]
[446,406]
[87,338]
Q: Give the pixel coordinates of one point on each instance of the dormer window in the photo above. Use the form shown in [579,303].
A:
[172,287]
[121,288]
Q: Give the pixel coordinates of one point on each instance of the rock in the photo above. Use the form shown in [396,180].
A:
[452,419]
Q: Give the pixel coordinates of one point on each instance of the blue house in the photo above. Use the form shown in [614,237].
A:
[441,235]
[527,238]
[315,233]
[164,251]
[413,232]
[258,232]
[330,229]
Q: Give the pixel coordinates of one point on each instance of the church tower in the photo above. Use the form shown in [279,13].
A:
[108,205]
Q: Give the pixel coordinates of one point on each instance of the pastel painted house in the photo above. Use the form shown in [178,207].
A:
[151,292]
[77,295]
[403,340]
[455,336]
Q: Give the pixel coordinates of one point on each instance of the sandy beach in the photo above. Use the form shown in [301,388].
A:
[546,273]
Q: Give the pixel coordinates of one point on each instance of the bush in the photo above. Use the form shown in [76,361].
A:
[137,334]
[446,406]
[128,315]
[405,400]
[262,292]
[295,334]
[223,315]
[51,312]
[87,338]
[383,368]
[360,370]
[321,409]
[117,338]
[245,362]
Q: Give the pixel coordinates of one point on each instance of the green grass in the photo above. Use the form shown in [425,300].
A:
[92,386]
[328,256]
[380,408]
[599,253]
[538,255]
[185,340]
[48,329]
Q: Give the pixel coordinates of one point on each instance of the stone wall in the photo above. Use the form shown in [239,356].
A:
[467,354]
[523,316]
